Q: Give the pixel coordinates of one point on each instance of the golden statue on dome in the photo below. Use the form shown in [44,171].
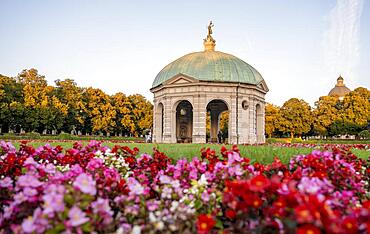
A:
[210,28]
[209,42]
[209,36]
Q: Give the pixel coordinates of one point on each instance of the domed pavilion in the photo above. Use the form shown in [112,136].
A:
[340,89]
[208,82]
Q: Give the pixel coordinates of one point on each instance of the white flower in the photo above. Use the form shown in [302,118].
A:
[203,180]
[119,231]
[98,153]
[136,230]
[174,206]
[159,225]
[152,217]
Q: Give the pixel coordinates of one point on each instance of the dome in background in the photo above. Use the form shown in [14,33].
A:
[210,65]
[340,89]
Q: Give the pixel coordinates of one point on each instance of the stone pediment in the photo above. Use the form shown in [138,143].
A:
[263,86]
[180,79]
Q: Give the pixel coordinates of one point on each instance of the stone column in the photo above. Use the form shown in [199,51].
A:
[215,114]
[233,138]
[199,119]
[260,124]
[155,119]
[167,121]
[252,121]
[243,123]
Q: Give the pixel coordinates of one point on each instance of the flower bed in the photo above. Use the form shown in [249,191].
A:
[97,189]
[346,147]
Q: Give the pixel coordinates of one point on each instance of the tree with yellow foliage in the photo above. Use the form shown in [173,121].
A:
[295,117]
[356,107]
[72,96]
[353,113]
[325,113]
[43,109]
[271,119]
[141,113]
[100,112]
[224,124]
[124,121]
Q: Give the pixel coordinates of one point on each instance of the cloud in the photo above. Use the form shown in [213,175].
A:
[341,39]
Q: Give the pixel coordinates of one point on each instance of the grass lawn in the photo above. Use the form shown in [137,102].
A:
[263,153]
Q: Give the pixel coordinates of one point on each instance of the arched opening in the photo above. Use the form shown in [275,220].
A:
[217,122]
[184,122]
[259,124]
[160,122]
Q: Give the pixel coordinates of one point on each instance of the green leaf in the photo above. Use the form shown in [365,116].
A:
[86,227]
[68,199]
[198,204]
[57,229]
[219,224]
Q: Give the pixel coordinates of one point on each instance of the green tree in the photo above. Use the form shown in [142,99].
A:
[295,117]
[10,91]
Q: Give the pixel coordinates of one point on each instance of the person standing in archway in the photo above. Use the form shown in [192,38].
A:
[219,136]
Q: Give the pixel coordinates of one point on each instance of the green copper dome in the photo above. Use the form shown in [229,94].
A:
[210,66]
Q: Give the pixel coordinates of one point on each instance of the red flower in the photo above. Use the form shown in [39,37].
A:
[253,200]
[366,205]
[368,226]
[349,224]
[303,214]
[308,229]
[205,223]
[280,203]
[259,183]
[230,213]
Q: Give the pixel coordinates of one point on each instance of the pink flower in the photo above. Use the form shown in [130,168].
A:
[205,196]
[30,162]
[94,164]
[40,221]
[165,179]
[28,225]
[233,157]
[101,206]
[86,184]
[7,182]
[111,173]
[193,175]
[54,188]
[19,198]
[50,169]
[29,192]
[53,202]
[76,169]
[134,186]
[28,181]
[152,205]
[77,216]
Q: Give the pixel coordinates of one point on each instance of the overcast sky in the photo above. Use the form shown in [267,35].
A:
[300,47]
